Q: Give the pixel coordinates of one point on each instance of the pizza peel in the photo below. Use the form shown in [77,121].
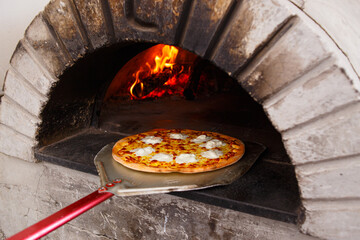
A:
[116,179]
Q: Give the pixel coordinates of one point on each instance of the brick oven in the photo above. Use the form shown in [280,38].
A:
[287,86]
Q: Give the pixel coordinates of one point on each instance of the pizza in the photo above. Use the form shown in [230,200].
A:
[177,150]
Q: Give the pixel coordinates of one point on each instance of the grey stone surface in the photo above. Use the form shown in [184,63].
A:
[332,219]
[155,21]
[334,136]
[60,17]
[2,235]
[34,191]
[253,26]
[203,23]
[93,20]
[330,180]
[296,52]
[318,94]
[21,92]
[27,67]
[46,47]
[16,117]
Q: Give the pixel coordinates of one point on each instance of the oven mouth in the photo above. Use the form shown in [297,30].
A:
[89,120]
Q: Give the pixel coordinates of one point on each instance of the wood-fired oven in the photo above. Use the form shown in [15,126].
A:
[86,74]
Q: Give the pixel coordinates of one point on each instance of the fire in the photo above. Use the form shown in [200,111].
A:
[137,81]
[158,76]
[167,60]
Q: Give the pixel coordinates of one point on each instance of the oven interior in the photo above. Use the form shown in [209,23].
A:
[101,99]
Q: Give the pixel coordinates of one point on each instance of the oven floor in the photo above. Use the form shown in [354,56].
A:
[269,189]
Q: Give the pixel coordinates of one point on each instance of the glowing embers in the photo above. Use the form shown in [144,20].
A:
[161,76]
[170,81]
[159,71]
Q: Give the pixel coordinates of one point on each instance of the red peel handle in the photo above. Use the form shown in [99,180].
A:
[61,217]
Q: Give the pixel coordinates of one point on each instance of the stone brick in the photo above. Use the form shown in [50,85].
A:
[46,47]
[18,90]
[203,24]
[332,219]
[15,144]
[319,94]
[26,66]
[334,136]
[155,21]
[253,26]
[330,179]
[93,20]
[296,52]
[14,116]
[60,16]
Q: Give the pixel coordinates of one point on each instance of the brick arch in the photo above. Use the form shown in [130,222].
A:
[277,54]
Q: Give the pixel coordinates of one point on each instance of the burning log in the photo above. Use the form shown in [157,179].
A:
[150,83]
[165,81]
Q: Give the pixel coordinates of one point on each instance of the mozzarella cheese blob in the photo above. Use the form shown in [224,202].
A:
[201,138]
[212,154]
[162,157]
[143,151]
[178,136]
[186,158]
[151,139]
[213,144]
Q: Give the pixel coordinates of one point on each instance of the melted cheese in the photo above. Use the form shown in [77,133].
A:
[178,136]
[213,144]
[186,158]
[143,151]
[162,157]
[151,139]
[212,154]
[201,138]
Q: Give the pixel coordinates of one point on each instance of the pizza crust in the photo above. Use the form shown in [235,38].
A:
[235,147]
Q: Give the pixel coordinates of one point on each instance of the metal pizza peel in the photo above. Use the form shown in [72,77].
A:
[123,181]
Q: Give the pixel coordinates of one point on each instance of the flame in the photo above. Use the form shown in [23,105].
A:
[137,81]
[167,60]
[161,62]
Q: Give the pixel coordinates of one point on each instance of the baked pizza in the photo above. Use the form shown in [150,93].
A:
[178,150]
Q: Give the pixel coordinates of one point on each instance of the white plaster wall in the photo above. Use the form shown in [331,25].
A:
[15,16]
